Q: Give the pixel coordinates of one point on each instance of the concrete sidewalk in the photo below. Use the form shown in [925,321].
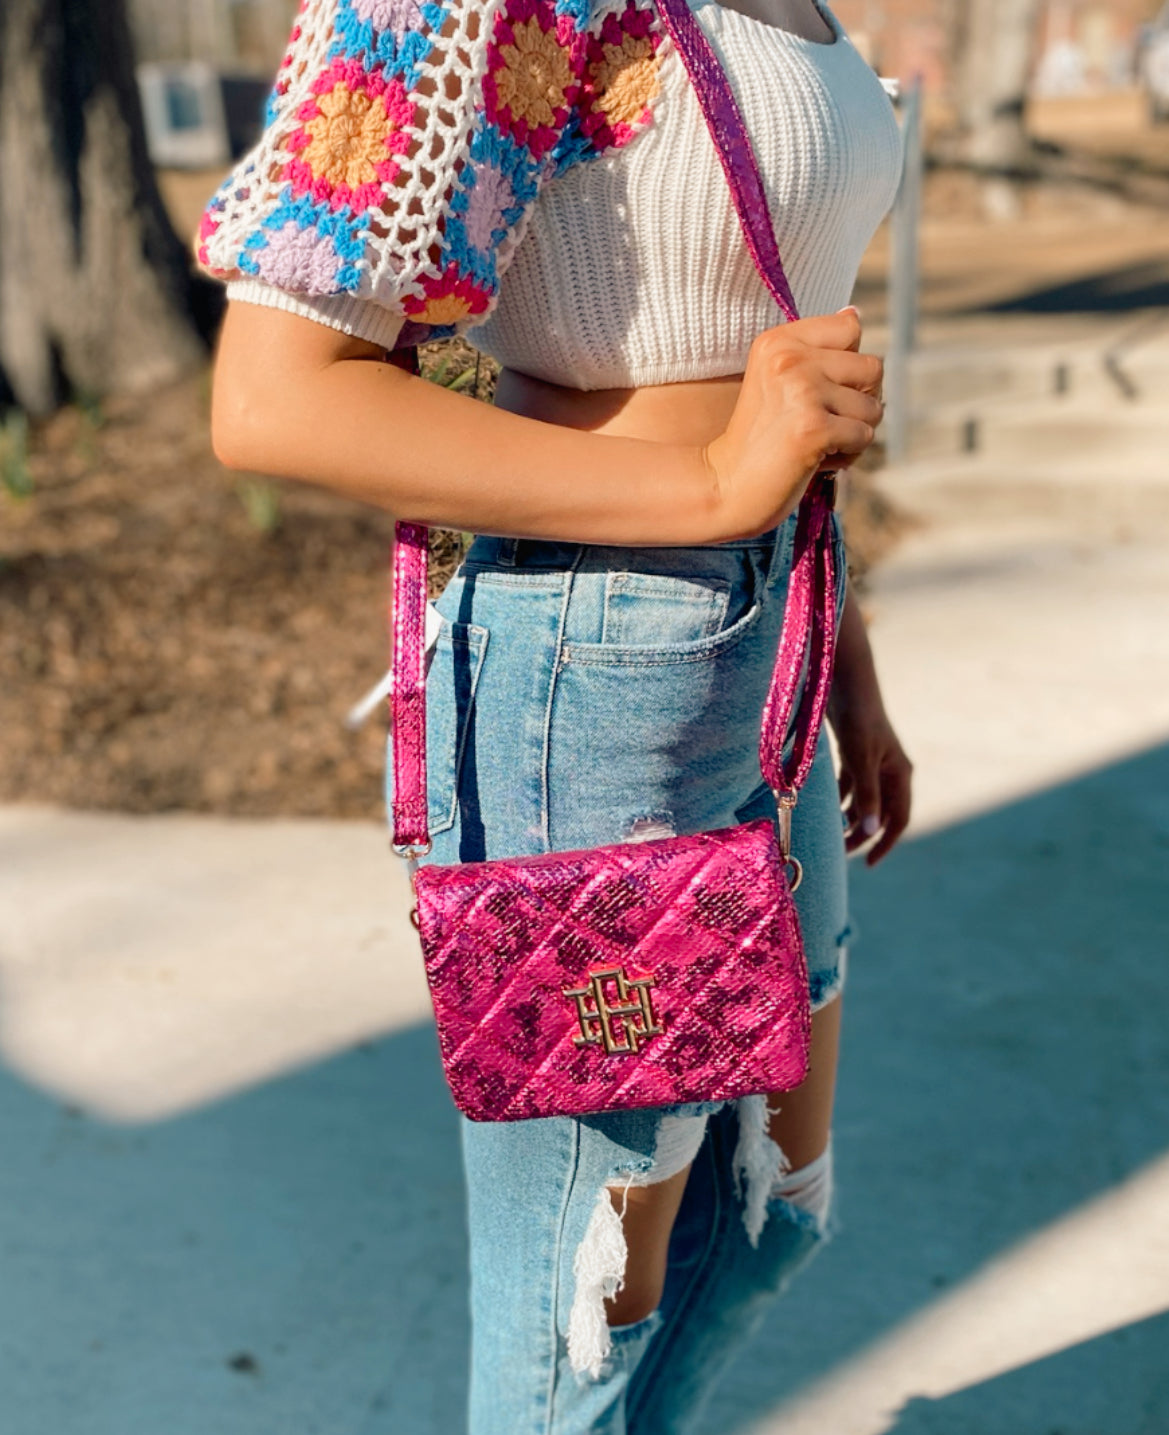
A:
[230,1200]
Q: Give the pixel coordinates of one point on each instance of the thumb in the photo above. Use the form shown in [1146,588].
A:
[851,312]
[865,815]
[833,331]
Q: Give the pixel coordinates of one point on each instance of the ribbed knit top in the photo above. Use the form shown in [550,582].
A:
[608,212]
[634,270]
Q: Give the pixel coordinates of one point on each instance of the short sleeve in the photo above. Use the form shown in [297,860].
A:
[405,143]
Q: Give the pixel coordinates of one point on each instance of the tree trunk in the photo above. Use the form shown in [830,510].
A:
[993,43]
[95,287]
[998,39]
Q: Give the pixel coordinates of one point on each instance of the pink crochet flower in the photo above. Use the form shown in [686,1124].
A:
[208,224]
[450,298]
[350,133]
[533,75]
[621,77]
[300,260]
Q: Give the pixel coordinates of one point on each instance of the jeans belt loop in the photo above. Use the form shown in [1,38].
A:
[782,538]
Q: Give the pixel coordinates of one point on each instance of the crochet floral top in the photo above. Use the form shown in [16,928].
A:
[414,148]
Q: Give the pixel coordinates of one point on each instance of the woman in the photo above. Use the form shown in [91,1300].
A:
[542,171]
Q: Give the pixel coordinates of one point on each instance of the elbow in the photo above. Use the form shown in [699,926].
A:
[242,426]
[230,441]
[253,373]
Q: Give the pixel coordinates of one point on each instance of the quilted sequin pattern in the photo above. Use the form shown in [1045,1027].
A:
[708,917]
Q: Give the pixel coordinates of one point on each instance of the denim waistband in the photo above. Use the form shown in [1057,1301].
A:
[555,553]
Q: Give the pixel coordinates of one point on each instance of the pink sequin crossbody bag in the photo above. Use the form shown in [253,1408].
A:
[643,973]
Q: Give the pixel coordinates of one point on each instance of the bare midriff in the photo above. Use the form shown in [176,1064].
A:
[693,412]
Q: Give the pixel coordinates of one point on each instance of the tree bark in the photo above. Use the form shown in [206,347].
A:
[95,287]
[997,41]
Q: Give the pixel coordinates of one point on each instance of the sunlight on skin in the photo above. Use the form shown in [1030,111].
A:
[150,966]
[1075,1280]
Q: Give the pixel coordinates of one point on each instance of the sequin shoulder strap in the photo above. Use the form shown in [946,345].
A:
[807,641]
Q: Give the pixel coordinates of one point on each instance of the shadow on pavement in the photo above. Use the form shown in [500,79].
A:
[1005,1061]
[1105,1364]
[292,1260]
[1132,286]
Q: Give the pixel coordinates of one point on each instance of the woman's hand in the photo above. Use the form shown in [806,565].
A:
[809,401]
[875,774]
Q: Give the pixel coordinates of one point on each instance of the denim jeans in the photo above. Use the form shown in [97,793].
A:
[579,696]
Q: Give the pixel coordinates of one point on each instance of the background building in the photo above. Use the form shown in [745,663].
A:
[245,34]
[1086,45]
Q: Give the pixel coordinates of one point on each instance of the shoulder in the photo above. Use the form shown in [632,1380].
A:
[407,140]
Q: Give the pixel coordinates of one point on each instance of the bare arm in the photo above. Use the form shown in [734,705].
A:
[297,399]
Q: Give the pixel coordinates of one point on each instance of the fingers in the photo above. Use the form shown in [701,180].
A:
[865,372]
[875,793]
[864,809]
[843,435]
[851,404]
[896,787]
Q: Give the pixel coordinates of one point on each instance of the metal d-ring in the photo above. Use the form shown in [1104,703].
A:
[411,852]
[785,803]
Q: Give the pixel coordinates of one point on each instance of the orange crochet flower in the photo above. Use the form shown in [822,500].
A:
[348,137]
[621,77]
[625,80]
[351,133]
[535,76]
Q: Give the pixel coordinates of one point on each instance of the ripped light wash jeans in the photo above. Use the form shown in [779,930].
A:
[580,696]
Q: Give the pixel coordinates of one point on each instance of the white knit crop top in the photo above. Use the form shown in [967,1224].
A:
[566,203]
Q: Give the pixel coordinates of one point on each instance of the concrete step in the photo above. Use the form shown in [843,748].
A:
[1045,431]
[1084,496]
[1116,373]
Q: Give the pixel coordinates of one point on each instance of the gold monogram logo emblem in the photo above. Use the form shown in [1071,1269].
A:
[621,1023]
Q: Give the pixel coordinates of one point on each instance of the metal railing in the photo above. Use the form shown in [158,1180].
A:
[904,275]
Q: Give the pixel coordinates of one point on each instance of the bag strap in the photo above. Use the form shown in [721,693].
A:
[408,687]
[809,623]
[808,640]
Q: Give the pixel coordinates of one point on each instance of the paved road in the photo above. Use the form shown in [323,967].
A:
[1004,1118]
[229,1195]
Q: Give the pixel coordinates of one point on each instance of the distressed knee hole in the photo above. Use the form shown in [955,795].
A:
[758,1163]
[598,1270]
[764,1176]
[599,1266]
[809,1191]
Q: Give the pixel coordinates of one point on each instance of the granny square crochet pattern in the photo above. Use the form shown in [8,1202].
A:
[407,140]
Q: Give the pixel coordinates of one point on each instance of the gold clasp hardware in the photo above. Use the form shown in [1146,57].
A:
[786,802]
[622,1026]
[411,854]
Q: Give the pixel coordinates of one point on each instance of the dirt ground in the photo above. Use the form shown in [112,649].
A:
[172,637]
[175,636]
